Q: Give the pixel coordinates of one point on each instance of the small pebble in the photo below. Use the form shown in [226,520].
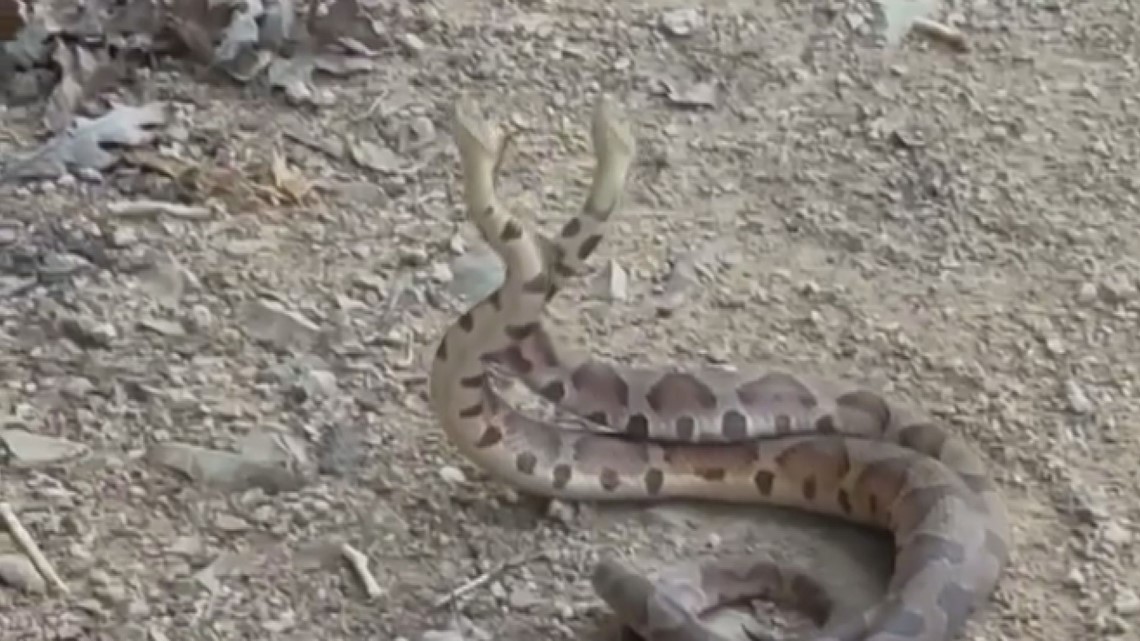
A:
[452,474]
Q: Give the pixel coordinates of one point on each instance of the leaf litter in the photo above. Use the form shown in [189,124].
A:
[79,51]
[83,145]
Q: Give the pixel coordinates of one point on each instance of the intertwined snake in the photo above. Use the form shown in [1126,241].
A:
[762,436]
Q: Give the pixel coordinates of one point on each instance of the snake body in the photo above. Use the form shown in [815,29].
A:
[761,436]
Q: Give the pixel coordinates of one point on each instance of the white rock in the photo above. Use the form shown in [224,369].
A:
[452,474]
[1079,402]
[33,449]
[18,572]
[681,22]
[1126,603]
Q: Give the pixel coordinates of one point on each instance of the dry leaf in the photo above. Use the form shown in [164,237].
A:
[82,144]
[11,19]
[197,22]
[344,20]
[287,181]
[153,161]
[83,75]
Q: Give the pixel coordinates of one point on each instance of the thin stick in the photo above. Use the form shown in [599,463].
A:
[155,207]
[359,564]
[486,578]
[28,546]
[941,32]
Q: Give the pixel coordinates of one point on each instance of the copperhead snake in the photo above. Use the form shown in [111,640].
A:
[761,436]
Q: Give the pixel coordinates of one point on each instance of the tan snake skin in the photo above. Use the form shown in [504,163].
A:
[764,436]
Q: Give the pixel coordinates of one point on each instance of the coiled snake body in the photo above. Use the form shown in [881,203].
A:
[763,436]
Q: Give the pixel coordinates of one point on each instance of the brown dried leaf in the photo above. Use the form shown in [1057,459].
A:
[136,24]
[83,75]
[224,186]
[197,23]
[12,19]
[340,20]
[151,160]
[288,181]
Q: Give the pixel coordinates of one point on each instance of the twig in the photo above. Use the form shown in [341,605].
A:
[359,564]
[28,547]
[156,207]
[486,577]
[942,32]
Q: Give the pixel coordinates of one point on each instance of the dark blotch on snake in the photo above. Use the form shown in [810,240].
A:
[513,357]
[526,462]
[588,246]
[540,284]
[610,479]
[923,437]
[916,502]
[511,231]
[874,410]
[561,475]
[686,427]
[467,322]
[489,437]
[678,391]
[637,426]
[764,480]
[601,379]
[778,388]
[844,500]
[654,480]
[474,381]
[571,228]
[599,417]
[924,549]
[826,424]
[494,299]
[554,391]
[809,488]
[520,332]
[441,351]
[957,602]
[472,412]
[733,425]
[713,474]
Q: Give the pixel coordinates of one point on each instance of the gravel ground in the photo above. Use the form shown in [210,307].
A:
[956,229]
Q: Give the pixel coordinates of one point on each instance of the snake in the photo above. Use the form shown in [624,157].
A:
[756,434]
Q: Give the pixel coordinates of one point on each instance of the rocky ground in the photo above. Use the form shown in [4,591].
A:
[958,229]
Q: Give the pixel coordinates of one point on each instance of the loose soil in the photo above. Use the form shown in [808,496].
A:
[959,230]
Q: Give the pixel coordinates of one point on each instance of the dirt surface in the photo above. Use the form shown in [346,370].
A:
[959,230]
